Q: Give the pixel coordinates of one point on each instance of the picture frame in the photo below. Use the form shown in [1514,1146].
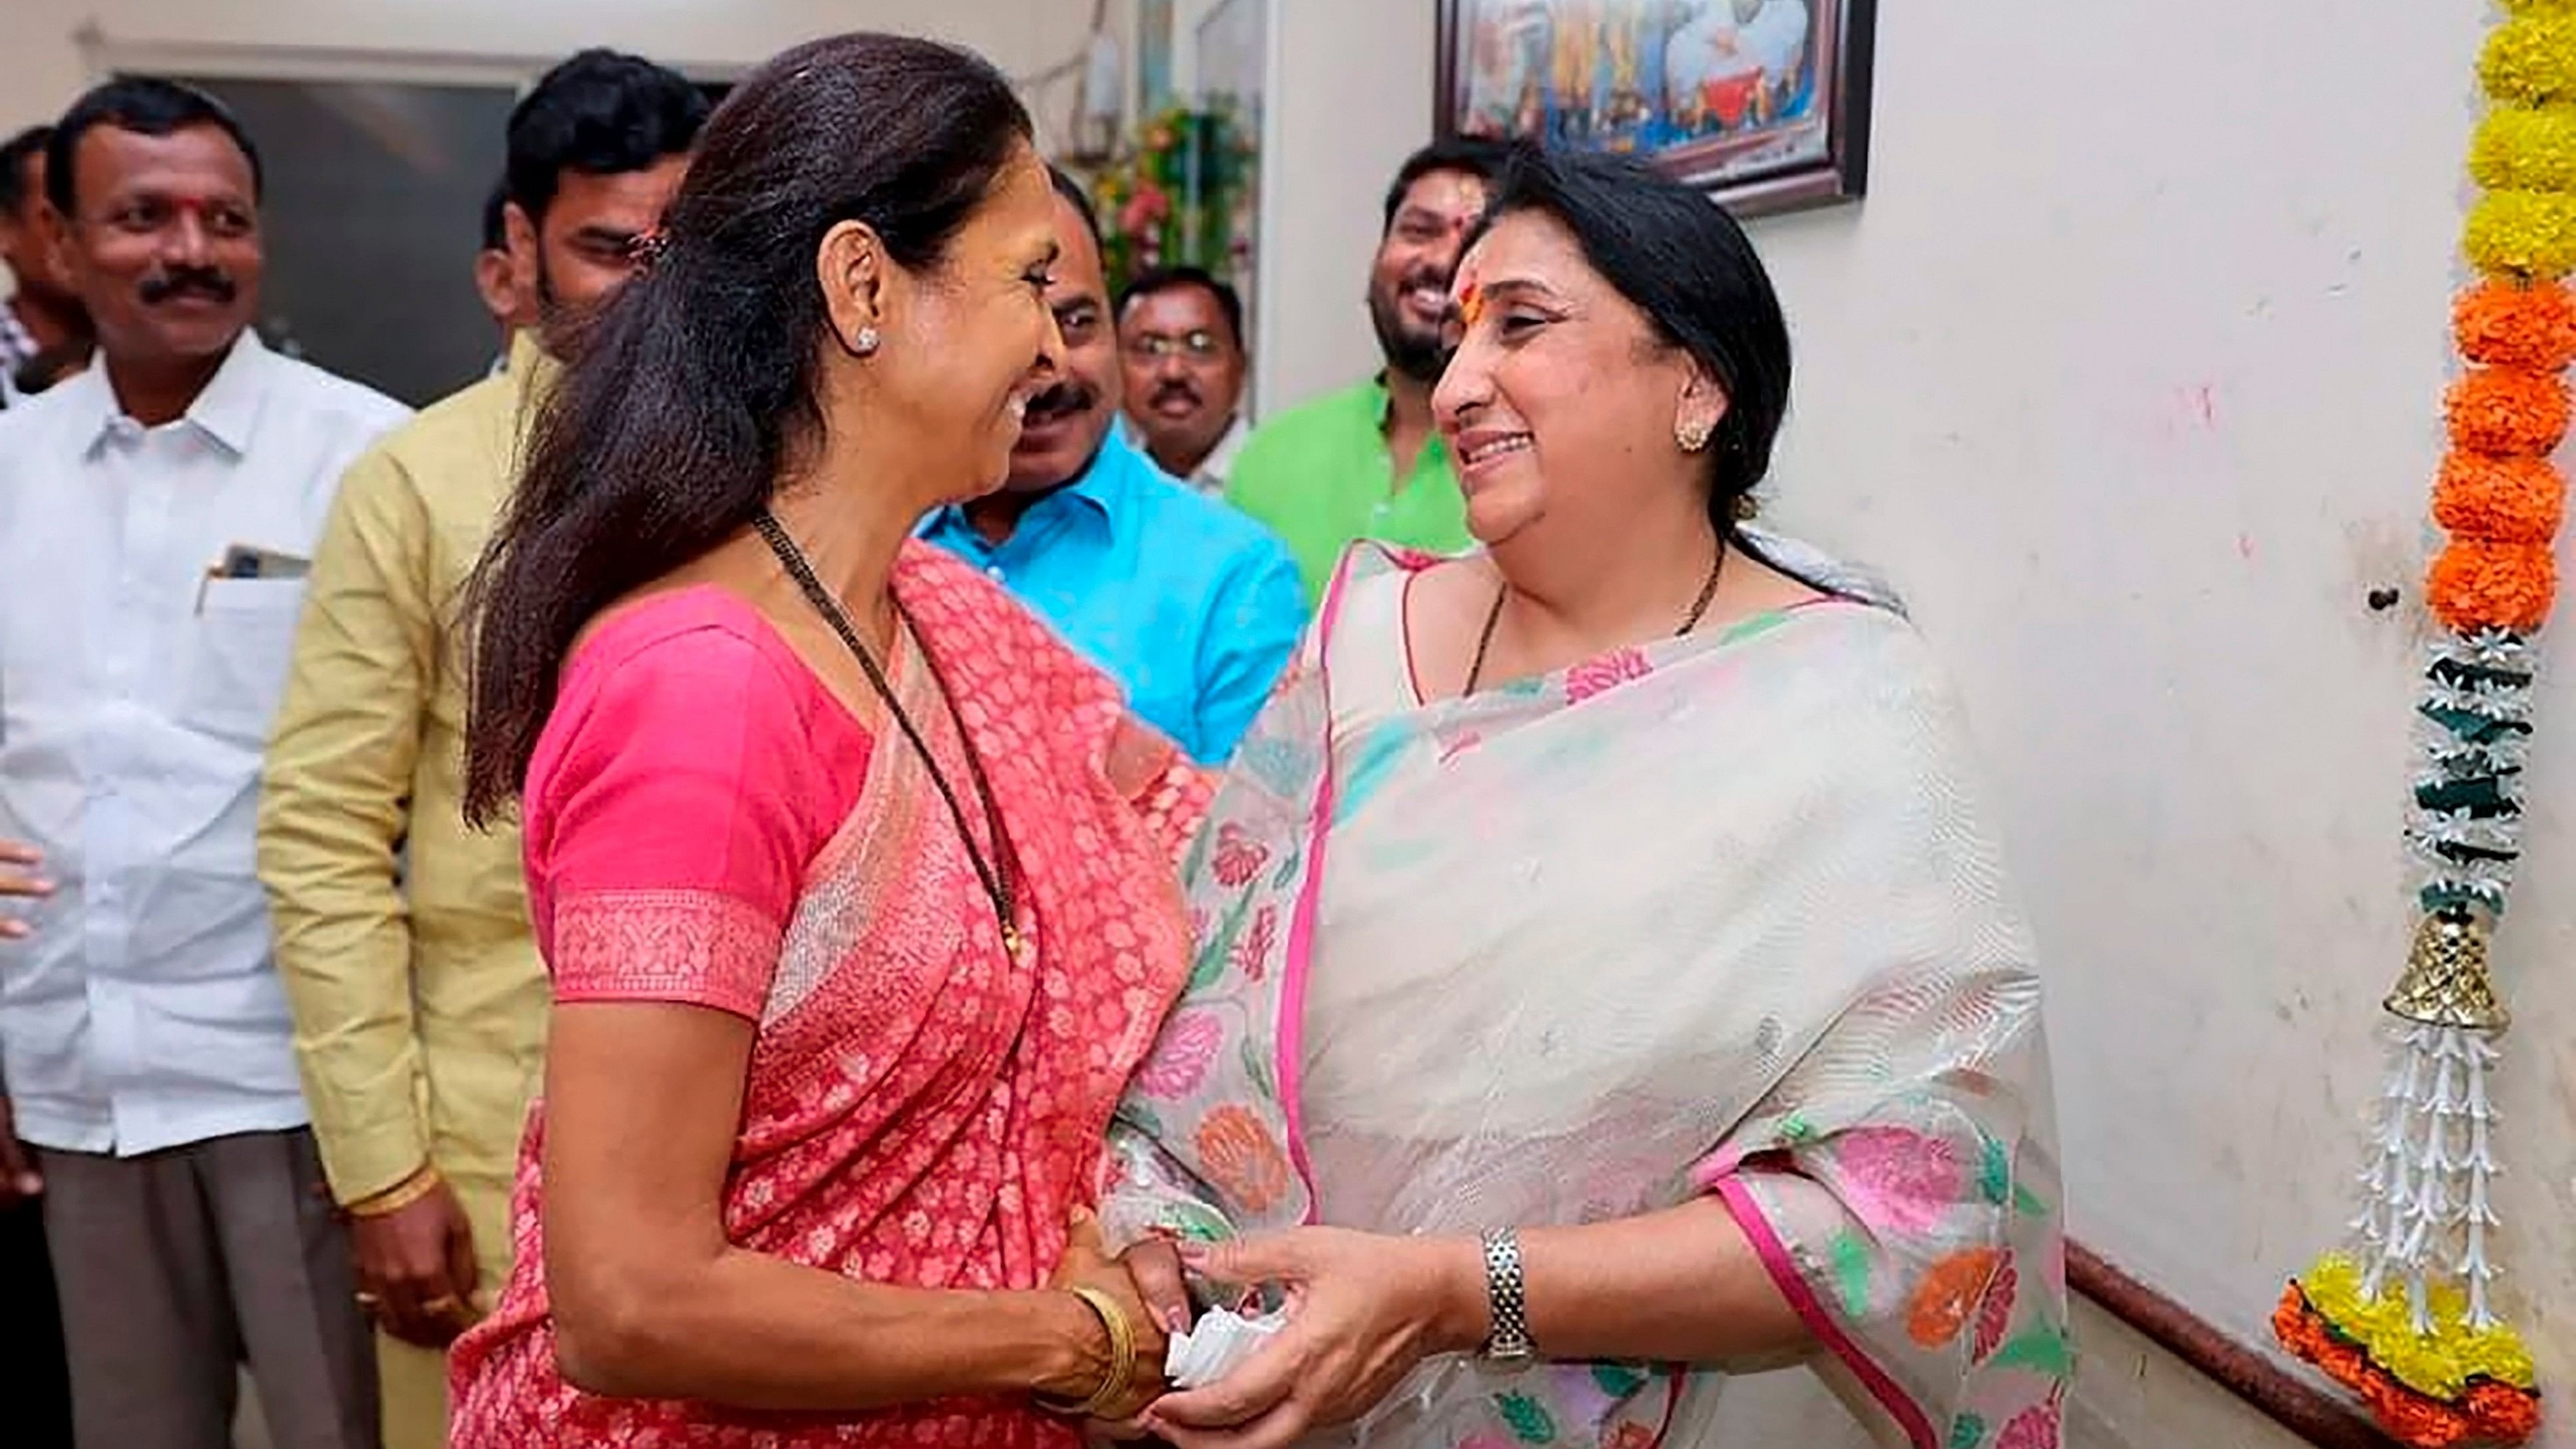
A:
[1765,104]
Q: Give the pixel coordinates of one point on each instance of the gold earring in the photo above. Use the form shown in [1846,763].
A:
[1692,436]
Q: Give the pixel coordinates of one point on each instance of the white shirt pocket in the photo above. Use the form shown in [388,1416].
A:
[239,653]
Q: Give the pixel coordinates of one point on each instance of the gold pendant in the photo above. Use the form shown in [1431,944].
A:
[1011,941]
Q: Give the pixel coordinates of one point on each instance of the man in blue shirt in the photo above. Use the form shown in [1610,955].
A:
[1191,605]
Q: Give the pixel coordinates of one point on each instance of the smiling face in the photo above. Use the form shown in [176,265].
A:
[1417,261]
[963,345]
[1561,403]
[163,243]
[1067,422]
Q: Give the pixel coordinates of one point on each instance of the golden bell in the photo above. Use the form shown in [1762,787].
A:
[2446,981]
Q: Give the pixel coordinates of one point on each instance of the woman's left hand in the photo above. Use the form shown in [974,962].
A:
[1363,1309]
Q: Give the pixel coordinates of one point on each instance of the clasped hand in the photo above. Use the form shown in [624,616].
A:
[1363,1310]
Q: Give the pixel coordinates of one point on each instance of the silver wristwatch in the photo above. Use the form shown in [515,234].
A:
[1508,1346]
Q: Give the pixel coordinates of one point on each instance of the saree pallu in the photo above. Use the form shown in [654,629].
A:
[919,1108]
[1717,916]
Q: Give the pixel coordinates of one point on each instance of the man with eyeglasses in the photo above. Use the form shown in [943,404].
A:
[1180,339]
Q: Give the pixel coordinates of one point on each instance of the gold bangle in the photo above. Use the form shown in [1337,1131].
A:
[399,1196]
[1122,1357]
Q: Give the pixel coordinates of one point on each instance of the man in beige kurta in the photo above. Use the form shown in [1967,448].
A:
[419,1000]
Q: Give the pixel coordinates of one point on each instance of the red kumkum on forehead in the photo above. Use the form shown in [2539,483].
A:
[1471,301]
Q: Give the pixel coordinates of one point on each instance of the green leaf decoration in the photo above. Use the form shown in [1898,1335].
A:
[2475,728]
[1528,1418]
[1218,951]
[1141,1117]
[2482,796]
[2027,1203]
[1967,1432]
[1994,1170]
[1259,1071]
[1851,1272]
[1796,1130]
[2041,1349]
[1286,875]
[1618,1380]
[1199,1223]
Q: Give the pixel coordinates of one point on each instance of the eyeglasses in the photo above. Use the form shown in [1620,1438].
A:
[1198,345]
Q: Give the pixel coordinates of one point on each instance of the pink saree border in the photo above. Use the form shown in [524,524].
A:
[1774,1254]
[1301,921]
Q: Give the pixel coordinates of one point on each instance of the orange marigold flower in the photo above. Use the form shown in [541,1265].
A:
[2503,1412]
[2500,500]
[1948,1294]
[2507,410]
[2505,323]
[2411,1418]
[2476,585]
[1243,1158]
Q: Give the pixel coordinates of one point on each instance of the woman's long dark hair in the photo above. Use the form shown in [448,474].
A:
[695,385]
[1681,260]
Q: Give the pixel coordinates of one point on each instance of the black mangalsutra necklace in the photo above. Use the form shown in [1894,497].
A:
[994,873]
[1502,591]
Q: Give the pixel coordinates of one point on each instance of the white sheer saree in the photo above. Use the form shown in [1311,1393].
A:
[1714,916]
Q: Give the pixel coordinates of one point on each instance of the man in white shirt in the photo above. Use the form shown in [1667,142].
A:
[155,515]
[1180,342]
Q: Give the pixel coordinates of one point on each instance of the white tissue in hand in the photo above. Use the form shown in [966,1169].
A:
[1216,1345]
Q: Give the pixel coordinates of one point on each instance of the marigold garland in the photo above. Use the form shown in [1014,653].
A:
[2503,499]
[2525,148]
[2531,233]
[2406,1321]
[2477,584]
[2506,411]
[2513,324]
[2482,1410]
[2531,59]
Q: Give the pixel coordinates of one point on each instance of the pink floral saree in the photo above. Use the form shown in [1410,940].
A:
[707,825]
[1715,916]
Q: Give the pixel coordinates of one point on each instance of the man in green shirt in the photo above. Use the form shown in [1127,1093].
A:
[1366,462]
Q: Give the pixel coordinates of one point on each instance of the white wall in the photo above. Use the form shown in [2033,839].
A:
[1350,95]
[2128,371]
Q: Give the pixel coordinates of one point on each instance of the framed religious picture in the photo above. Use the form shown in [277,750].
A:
[1763,102]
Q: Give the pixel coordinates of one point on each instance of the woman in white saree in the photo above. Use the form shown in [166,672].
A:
[1607,981]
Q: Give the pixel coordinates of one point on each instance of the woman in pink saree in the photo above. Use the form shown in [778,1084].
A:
[1608,983]
[856,887]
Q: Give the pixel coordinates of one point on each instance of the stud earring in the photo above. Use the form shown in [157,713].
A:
[866,343]
[1693,437]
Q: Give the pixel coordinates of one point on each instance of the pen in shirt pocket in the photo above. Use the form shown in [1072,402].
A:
[242,561]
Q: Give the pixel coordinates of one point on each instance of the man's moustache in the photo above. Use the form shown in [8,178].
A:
[1177,390]
[163,286]
[1062,400]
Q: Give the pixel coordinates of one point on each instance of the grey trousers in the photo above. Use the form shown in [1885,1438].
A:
[178,1267]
